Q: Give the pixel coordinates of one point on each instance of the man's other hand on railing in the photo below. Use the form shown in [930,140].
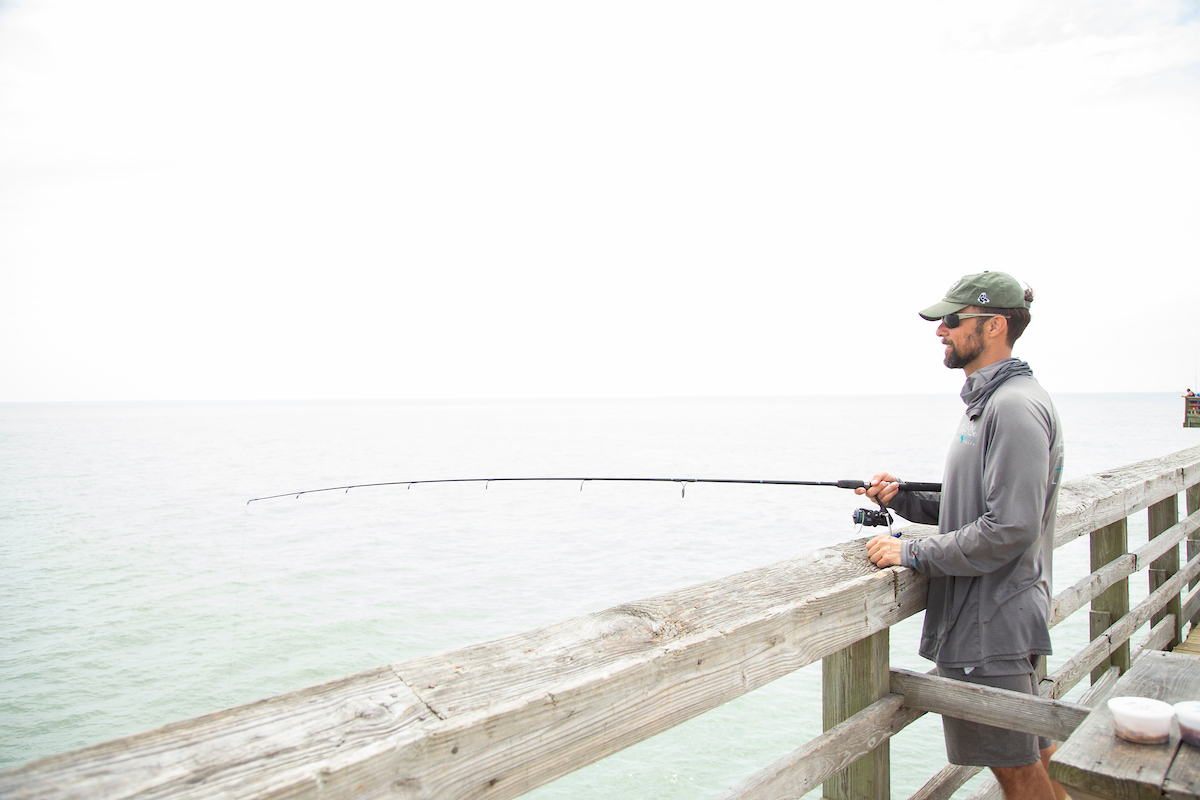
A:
[884,551]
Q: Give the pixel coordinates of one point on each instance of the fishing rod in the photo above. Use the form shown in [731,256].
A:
[842,484]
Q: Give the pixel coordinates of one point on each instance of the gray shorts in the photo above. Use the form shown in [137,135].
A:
[977,745]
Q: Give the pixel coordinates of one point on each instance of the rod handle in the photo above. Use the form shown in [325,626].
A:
[920,487]
[904,487]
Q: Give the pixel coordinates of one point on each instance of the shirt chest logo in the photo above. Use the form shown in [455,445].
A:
[967,434]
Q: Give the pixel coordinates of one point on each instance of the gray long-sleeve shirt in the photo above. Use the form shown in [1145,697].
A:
[990,562]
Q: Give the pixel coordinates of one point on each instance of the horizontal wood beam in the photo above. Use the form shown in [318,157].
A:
[989,789]
[1093,501]
[952,777]
[999,708]
[498,719]
[1157,639]
[946,782]
[1081,664]
[807,767]
[1102,689]
[1086,589]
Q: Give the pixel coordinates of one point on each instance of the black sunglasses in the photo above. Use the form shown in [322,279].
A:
[954,320]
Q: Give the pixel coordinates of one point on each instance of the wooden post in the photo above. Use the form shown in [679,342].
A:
[1108,544]
[851,680]
[1163,515]
[1193,545]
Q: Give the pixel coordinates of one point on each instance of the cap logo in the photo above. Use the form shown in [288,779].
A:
[984,299]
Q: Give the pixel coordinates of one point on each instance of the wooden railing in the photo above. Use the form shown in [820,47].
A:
[497,719]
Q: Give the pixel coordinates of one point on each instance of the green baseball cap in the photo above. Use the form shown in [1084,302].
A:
[994,289]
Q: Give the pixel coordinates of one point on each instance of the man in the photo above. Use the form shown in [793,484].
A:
[990,562]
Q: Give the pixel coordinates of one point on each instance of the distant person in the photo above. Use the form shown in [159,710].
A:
[1190,393]
[989,565]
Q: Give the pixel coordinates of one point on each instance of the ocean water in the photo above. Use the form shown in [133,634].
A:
[138,587]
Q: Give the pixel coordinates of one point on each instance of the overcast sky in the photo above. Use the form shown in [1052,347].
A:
[265,199]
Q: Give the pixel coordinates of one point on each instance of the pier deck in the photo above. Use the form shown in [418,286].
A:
[1190,645]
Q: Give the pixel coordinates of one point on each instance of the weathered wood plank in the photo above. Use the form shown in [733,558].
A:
[1102,689]
[707,652]
[1095,761]
[1093,501]
[1091,586]
[983,704]
[951,777]
[851,680]
[255,750]
[1161,517]
[498,719]
[1158,638]
[1073,598]
[1077,667]
[1192,497]
[989,789]
[1183,779]
[946,782]
[809,766]
[1107,545]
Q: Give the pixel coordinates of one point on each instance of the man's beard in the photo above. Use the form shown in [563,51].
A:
[956,359]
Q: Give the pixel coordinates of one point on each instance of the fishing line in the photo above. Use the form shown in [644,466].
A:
[841,484]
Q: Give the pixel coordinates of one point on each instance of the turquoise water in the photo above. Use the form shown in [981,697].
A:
[138,587]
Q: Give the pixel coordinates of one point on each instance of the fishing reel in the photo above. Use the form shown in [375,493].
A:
[872,517]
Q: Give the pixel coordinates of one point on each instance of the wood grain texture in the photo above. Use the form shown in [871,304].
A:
[988,706]
[1160,518]
[1101,689]
[1099,649]
[1157,639]
[1183,779]
[500,718]
[1072,599]
[1192,498]
[851,680]
[989,789]
[1093,501]
[952,777]
[946,782]
[1094,761]
[497,719]
[1107,545]
[809,766]
[253,750]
